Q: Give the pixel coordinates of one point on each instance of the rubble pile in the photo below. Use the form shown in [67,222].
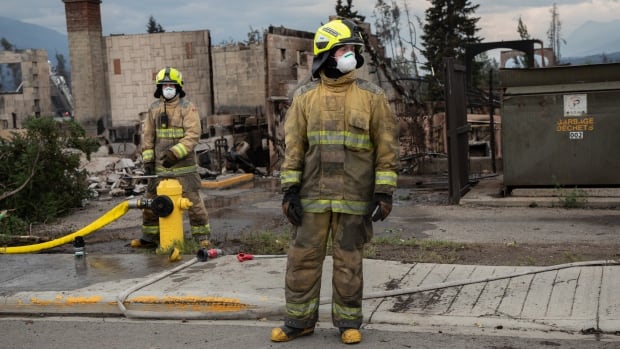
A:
[115,176]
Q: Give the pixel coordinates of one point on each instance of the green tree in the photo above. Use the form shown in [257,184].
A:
[448,29]
[40,179]
[347,11]
[153,27]
[6,45]
[520,61]
[522,30]
[486,66]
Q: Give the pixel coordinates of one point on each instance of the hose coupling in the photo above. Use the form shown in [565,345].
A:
[161,205]
[140,203]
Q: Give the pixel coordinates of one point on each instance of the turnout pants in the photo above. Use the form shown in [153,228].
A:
[306,254]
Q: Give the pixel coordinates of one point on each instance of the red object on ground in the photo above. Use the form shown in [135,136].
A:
[244,257]
[214,252]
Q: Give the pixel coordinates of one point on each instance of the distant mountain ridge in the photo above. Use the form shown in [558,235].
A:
[591,43]
[31,36]
[593,38]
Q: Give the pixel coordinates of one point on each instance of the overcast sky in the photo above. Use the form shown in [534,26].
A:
[233,19]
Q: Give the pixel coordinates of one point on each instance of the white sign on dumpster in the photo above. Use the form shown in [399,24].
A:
[576,105]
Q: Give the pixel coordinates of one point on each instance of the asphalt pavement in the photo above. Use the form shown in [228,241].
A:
[579,298]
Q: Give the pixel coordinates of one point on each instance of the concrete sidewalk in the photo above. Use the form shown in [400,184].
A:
[569,299]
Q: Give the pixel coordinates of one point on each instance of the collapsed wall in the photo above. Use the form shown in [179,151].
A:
[30,91]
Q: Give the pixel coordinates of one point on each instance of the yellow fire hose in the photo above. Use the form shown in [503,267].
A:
[110,216]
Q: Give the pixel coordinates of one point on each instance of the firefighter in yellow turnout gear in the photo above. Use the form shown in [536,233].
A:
[171,131]
[339,174]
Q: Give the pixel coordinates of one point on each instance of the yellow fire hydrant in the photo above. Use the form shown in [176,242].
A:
[171,225]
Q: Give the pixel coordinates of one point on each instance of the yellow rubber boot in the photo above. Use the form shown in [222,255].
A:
[142,243]
[286,333]
[350,336]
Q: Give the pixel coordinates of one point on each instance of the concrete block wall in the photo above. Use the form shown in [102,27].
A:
[34,98]
[238,78]
[285,54]
[134,60]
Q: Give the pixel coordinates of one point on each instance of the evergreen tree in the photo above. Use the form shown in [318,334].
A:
[347,11]
[520,61]
[6,45]
[154,27]
[522,30]
[448,29]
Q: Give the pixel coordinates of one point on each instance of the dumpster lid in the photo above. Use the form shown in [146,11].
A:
[562,88]
[560,75]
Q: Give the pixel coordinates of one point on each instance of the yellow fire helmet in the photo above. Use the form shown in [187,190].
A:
[335,33]
[169,76]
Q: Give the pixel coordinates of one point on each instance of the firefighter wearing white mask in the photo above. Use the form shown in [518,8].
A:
[171,131]
[338,176]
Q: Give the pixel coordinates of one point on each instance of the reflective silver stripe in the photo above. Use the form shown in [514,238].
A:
[180,150]
[163,172]
[150,229]
[342,206]
[170,132]
[347,313]
[201,230]
[304,310]
[340,137]
[148,155]
[386,178]
[290,177]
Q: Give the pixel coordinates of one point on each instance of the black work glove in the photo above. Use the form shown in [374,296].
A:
[149,168]
[291,206]
[168,159]
[381,206]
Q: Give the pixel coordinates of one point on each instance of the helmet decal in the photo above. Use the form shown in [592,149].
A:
[331,31]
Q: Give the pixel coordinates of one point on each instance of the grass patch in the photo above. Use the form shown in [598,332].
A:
[571,257]
[422,244]
[410,250]
[573,198]
[268,243]
[185,247]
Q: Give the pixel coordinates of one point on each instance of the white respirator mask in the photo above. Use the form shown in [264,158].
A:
[346,62]
[169,92]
